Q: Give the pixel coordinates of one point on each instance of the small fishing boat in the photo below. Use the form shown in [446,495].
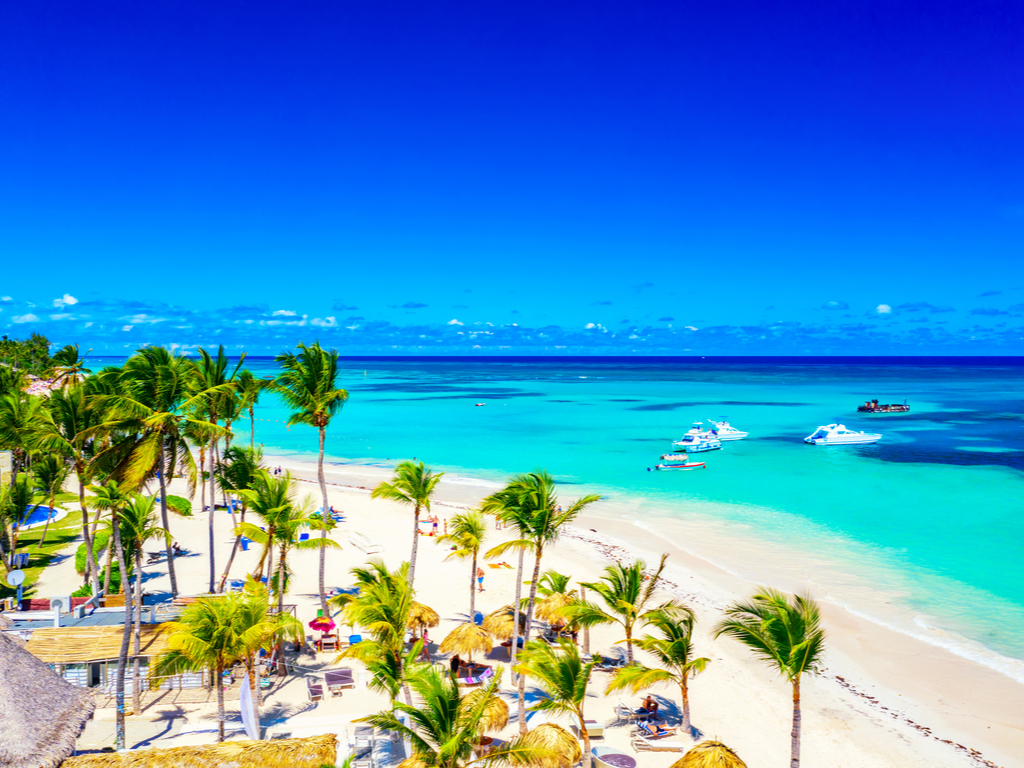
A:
[838,434]
[723,430]
[679,461]
[873,406]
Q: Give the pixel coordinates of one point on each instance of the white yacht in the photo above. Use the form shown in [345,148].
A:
[697,443]
[723,430]
[838,434]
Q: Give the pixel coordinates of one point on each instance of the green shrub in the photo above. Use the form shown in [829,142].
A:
[180,505]
[83,591]
[99,544]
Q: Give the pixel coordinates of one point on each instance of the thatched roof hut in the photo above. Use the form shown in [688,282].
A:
[81,645]
[562,744]
[311,752]
[499,622]
[42,715]
[467,638]
[422,617]
[710,754]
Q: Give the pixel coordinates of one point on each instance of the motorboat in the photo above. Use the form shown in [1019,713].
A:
[697,443]
[723,430]
[873,406]
[679,461]
[838,434]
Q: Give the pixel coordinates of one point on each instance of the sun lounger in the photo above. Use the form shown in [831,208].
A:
[337,679]
[644,739]
[364,544]
[315,689]
[625,712]
[480,679]
[364,738]
[594,729]
[329,643]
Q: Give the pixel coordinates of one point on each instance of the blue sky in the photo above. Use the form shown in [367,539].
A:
[680,178]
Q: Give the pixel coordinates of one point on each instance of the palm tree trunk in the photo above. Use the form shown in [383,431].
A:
[126,636]
[91,572]
[163,518]
[514,648]
[252,429]
[588,758]
[231,557]
[136,665]
[685,694]
[110,563]
[526,636]
[46,528]
[472,591]
[323,521]
[794,759]
[282,668]
[213,509]
[415,542]
[220,701]
[586,630]
[629,643]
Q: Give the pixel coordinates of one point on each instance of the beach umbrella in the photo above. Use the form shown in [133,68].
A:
[311,752]
[558,740]
[495,714]
[323,623]
[467,638]
[499,622]
[422,617]
[709,754]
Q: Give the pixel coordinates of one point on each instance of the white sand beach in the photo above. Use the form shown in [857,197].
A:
[884,698]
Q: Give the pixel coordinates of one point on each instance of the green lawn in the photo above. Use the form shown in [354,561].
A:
[60,535]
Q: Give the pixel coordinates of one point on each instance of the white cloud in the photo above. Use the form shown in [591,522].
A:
[29,318]
[883,309]
[589,326]
[67,300]
[690,327]
[5,298]
[326,322]
[284,313]
[454,322]
[126,327]
[62,316]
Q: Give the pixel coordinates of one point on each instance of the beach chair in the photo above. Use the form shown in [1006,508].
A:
[329,643]
[625,712]
[315,689]
[338,679]
[480,679]
[364,544]
[643,739]
[364,738]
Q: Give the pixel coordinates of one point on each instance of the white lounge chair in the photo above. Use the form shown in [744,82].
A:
[364,544]
[644,743]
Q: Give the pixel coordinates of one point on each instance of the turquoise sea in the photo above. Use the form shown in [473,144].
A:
[923,531]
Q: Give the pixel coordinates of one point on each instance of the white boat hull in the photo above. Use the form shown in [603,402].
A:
[866,440]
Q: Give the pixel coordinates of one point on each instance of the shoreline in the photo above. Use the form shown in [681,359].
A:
[957,703]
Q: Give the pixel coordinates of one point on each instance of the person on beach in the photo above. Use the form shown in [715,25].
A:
[660,730]
[649,707]
[454,664]
[480,578]
[434,520]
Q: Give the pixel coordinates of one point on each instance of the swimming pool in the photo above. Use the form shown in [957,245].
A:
[38,517]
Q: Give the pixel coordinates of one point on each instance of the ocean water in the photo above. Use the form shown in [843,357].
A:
[923,531]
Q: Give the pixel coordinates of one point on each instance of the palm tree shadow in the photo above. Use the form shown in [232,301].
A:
[168,716]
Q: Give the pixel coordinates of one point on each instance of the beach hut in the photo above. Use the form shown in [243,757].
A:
[41,715]
[422,617]
[499,624]
[311,752]
[709,754]
[466,639]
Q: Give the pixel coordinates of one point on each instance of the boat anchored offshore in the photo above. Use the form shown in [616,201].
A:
[697,440]
[679,461]
[873,406]
[838,434]
[723,430]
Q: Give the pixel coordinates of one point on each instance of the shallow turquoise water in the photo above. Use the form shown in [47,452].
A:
[923,531]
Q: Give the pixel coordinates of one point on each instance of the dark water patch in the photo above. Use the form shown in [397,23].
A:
[426,387]
[714,404]
[647,439]
[901,454]
[624,400]
[475,396]
[561,401]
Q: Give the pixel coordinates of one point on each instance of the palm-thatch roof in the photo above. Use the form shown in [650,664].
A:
[495,714]
[559,741]
[549,608]
[467,638]
[311,752]
[499,622]
[710,754]
[81,645]
[422,617]
[42,715]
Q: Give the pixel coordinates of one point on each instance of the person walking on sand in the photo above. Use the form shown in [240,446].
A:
[480,578]
[434,520]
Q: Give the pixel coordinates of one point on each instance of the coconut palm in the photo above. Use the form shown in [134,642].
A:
[308,385]
[113,498]
[627,593]
[20,503]
[413,485]
[249,388]
[68,366]
[529,504]
[237,472]
[215,633]
[268,498]
[445,725]
[673,651]
[49,472]
[553,595]
[785,634]
[68,430]
[563,676]
[20,417]
[466,534]
[138,525]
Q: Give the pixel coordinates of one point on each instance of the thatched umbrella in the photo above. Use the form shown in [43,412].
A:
[466,638]
[499,624]
[311,752]
[558,740]
[422,617]
[710,754]
[42,714]
[495,715]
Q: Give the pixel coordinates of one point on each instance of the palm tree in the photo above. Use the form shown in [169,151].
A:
[249,389]
[627,593]
[554,596]
[674,652]
[308,386]
[467,533]
[114,498]
[563,676]
[138,525]
[216,388]
[50,473]
[413,485]
[529,503]
[215,633]
[68,431]
[20,502]
[237,472]
[68,366]
[268,498]
[785,634]
[445,725]
[20,416]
